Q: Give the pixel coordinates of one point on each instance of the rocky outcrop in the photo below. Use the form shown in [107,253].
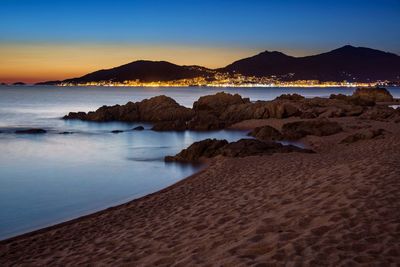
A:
[203,149]
[291,97]
[217,103]
[266,133]
[159,108]
[364,135]
[299,129]
[221,110]
[374,94]
[31,131]
[244,147]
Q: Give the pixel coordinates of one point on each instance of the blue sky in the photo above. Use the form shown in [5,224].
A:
[237,27]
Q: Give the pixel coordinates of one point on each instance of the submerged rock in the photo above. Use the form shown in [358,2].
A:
[266,133]
[31,131]
[299,129]
[244,147]
[138,128]
[117,131]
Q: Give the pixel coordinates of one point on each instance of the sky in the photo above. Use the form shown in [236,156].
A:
[50,40]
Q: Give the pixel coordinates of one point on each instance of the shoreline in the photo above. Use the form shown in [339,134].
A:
[96,213]
[339,205]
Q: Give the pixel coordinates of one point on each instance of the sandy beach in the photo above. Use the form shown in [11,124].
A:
[339,206]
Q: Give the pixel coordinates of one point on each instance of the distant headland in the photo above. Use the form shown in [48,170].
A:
[346,66]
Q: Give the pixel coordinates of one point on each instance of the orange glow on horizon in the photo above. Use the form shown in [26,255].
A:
[33,63]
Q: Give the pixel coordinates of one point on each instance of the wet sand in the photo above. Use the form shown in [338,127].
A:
[339,206]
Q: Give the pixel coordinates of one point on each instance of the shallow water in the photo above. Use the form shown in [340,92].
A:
[50,178]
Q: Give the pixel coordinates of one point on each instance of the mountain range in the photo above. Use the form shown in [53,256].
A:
[356,64]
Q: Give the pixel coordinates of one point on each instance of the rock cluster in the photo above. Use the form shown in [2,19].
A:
[222,110]
[209,148]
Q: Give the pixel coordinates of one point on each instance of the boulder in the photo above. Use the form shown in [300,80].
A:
[163,108]
[244,147]
[364,135]
[253,147]
[266,133]
[217,103]
[205,121]
[203,149]
[299,129]
[159,108]
[375,94]
[31,131]
[138,128]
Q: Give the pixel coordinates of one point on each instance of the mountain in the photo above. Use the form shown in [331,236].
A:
[346,63]
[356,64]
[145,71]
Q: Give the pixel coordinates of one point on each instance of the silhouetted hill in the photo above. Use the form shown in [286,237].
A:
[345,63]
[145,71]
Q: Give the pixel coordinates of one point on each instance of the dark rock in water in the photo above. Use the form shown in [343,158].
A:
[203,149]
[299,129]
[169,126]
[244,147]
[31,131]
[117,131]
[266,133]
[217,103]
[159,108]
[364,135]
[66,133]
[374,94]
[138,128]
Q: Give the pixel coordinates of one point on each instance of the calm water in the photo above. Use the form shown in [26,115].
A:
[50,178]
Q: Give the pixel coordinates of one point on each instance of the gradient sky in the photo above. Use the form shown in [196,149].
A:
[46,40]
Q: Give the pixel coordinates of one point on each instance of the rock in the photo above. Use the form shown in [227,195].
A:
[364,135]
[169,126]
[374,94]
[266,133]
[380,113]
[281,109]
[299,129]
[117,131]
[65,133]
[138,128]
[159,108]
[291,97]
[217,103]
[244,147]
[31,131]
[163,108]
[203,149]
[76,116]
[253,147]
[205,121]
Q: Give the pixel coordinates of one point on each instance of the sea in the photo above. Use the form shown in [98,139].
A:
[51,178]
